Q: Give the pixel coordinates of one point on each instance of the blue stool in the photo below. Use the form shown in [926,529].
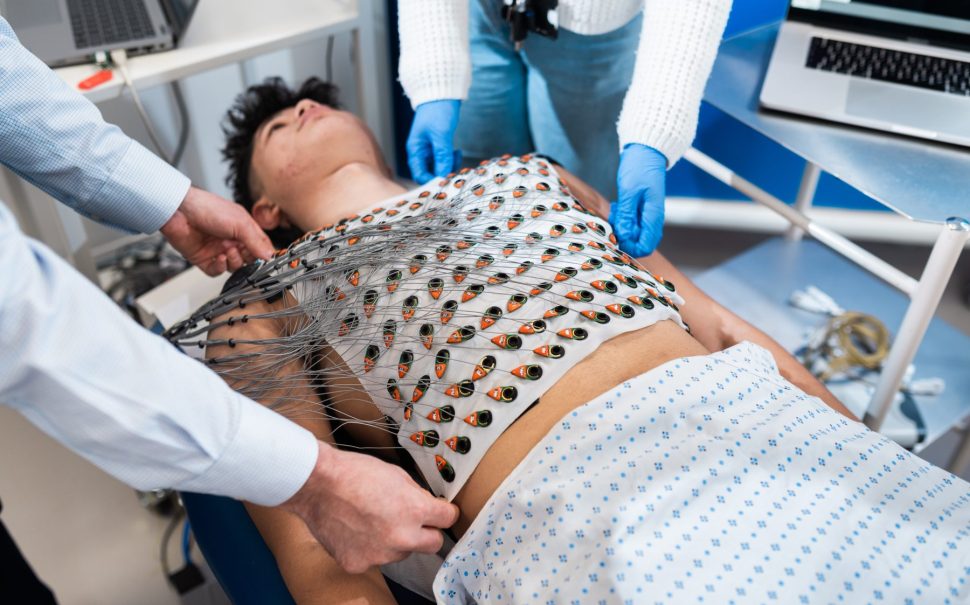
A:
[240,559]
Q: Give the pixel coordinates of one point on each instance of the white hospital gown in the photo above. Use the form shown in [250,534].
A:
[713,480]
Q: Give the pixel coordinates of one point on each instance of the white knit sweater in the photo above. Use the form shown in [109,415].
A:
[677,48]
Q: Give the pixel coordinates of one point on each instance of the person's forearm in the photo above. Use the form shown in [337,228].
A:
[435,58]
[677,48]
[82,371]
[56,139]
[737,330]
[311,574]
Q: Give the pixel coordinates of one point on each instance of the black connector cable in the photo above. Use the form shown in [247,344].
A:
[189,577]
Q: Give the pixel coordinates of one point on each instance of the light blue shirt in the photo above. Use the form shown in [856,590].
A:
[71,361]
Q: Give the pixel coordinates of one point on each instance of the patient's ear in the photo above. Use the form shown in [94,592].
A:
[267,214]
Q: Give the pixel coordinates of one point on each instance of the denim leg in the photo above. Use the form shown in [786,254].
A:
[576,86]
[494,119]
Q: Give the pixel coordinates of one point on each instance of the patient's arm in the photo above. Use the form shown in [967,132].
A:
[711,323]
[310,573]
[718,328]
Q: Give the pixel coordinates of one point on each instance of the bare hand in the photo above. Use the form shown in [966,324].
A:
[215,234]
[366,512]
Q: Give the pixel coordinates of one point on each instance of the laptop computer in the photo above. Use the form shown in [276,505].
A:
[65,32]
[897,65]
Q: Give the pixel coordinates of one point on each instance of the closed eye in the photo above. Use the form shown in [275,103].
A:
[273,128]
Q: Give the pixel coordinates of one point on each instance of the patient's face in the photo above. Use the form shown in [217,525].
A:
[300,147]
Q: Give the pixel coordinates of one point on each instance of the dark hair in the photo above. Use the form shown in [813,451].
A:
[249,111]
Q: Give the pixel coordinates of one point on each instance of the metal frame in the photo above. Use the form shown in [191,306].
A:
[805,197]
[372,64]
[961,457]
[924,294]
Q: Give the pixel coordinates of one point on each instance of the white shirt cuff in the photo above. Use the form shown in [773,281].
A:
[142,193]
[266,463]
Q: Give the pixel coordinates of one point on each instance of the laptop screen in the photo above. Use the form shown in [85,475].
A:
[179,12]
[930,20]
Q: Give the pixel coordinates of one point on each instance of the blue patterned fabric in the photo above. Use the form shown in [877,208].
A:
[713,480]
[53,137]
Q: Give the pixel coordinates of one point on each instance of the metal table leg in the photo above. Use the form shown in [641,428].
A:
[803,201]
[961,458]
[923,304]
[924,295]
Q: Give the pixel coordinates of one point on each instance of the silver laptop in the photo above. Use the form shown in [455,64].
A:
[64,32]
[896,65]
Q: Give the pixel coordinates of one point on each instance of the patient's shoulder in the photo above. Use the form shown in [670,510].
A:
[252,316]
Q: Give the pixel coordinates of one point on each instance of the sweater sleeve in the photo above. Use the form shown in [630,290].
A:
[435,58]
[678,45]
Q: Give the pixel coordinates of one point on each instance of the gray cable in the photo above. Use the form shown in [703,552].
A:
[186,124]
[330,59]
[120,58]
[166,538]
[317,273]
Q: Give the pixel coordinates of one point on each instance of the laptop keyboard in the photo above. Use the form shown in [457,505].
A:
[103,23]
[886,65]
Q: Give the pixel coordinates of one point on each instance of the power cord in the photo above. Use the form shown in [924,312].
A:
[118,58]
[187,542]
[852,345]
[137,268]
[184,117]
[189,577]
[851,340]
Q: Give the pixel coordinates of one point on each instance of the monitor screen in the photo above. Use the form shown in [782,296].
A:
[940,15]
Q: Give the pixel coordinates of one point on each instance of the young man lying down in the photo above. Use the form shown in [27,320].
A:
[485,332]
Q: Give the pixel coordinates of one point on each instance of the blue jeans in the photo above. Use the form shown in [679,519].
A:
[557,97]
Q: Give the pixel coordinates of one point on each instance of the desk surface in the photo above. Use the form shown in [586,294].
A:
[758,283]
[921,180]
[227,31]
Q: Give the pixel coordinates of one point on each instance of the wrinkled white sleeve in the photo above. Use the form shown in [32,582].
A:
[435,58]
[86,374]
[677,49]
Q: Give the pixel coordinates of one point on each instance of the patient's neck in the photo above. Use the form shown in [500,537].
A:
[353,189]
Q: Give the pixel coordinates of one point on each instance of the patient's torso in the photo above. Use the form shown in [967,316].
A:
[614,362]
[454,307]
[458,305]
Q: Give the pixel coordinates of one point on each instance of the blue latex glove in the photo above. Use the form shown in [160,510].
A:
[638,214]
[430,146]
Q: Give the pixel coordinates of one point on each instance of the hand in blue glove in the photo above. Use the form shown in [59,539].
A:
[638,214]
[430,146]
